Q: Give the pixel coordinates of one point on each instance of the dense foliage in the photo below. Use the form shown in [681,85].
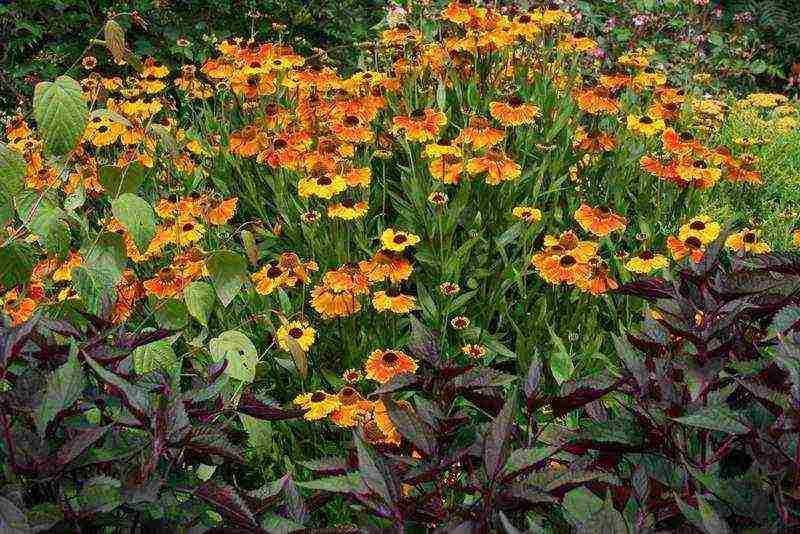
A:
[498,277]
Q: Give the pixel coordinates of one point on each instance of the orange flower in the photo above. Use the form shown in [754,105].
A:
[566,268]
[597,101]
[347,209]
[64,271]
[386,265]
[19,309]
[447,168]
[382,365]
[361,176]
[166,284]
[393,300]
[353,129]
[514,112]
[474,351]
[480,134]
[683,143]
[252,86]
[268,278]
[353,408]
[296,270]
[332,303]
[691,246]
[129,290]
[223,211]
[421,125]
[600,220]
[600,280]
[497,166]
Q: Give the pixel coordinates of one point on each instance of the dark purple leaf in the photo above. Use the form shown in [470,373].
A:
[135,398]
[580,396]
[79,443]
[411,427]
[14,339]
[253,407]
[229,505]
[376,474]
[422,344]
[495,446]
[647,288]
[531,384]
[396,383]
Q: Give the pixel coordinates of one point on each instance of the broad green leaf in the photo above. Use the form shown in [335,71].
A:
[137,217]
[228,271]
[240,352]
[199,297]
[13,168]
[51,230]
[170,314]
[120,180]
[61,113]
[259,432]
[582,504]
[16,264]
[275,524]
[714,418]
[154,356]
[64,387]
[103,264]
[99,494]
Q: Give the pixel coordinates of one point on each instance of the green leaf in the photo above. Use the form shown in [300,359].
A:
[785,319]
[715,418]
[523,458]
[120,180]
[12,519]
[64,387]
[275,524]
[51,230]
[561,364]
[16,264]
[154,356]
[137,217]
[259,432]
[13,168]
[170,314]
[200,299]
[61,113]
[240,352]
[102,269]
[582,504]
[99,494]
[349,483]
[228,271]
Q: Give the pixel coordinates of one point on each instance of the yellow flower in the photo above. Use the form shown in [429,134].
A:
[527,213]
[646,262]
[747,241]
[299,332]
[318,404]
[796,238]
[397,240]
[701,227]
[394,301]
[645,125]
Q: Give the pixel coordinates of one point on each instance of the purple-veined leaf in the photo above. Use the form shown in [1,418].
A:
[253,407]
[228,504]
[79,443]
[396,383]
[422,344]
[375,473]
[327,466]
[64,387]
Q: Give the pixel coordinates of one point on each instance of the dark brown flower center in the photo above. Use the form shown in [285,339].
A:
[693,242]
[296,333]
[351,120]
[324,180]
[515,102]
[646,255]
[417,114]
[188,227]
[646,120]
[686,136]
[393,292]
[318,396]
[567,261]
[280,144]
[698,226]
[102,129]
[400,239]
[252,81]
[699,164]
[390,358]
[274,272]
[749,237]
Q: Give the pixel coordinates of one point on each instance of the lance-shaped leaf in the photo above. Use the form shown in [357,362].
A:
[327,466]
[411,427]
[352,483]
[376,474]
[718,418]
[134,397]
[496,443]
[61,112]
[422,343]
[228,271]
[253,407]
[531,385]
[79,443]
[229,505]
[115,40]
[712,522]
[64,387]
